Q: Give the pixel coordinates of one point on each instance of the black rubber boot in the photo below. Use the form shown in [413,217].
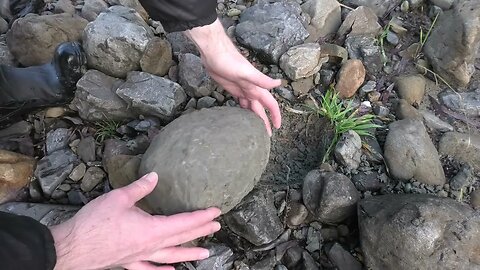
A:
[25,89]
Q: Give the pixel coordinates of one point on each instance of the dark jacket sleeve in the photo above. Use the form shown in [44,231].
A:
[181,15]
[25,244]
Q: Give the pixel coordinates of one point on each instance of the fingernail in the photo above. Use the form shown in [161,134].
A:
[205,254]
[149,176]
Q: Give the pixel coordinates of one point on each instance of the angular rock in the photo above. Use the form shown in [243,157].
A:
[467,103]
[350,77]
[297,213]
[336,54]
[116,40]
[86,149]
[92,8]
[325,16]
[151,95]
[221,257]
[15,173]
[195,141]
[114,147]
[365,48]
[157,57]
[53,169]
[205,102]
[410,153]
[435,123]
[270,29]
[361,21]
[453,58]
[331,197]
[181,44]
[46,214]
[418,231]
[255,218]
[367,181]
[342,259]
[380,7]
[57,139]
[302,61]
[95,98]
[463,147]
[411,88]
[93,177]
[348,150]
[465,177]
[133,4]
[193,77]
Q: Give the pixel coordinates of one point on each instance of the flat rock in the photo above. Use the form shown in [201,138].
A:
[365,48]
[336,54]
[78,172]
[16,171]
[215,138]
[361,21]
[432,121]
[418,231]
[255,218]
[348,150]
[93,176]
[463,147]
[410,153]
[467,103]
[151,95]
[270,29]
[221,257]
[157,57]
[331,197]
[350,77]
[32,39]
[86,149]
[51,170]
[325,16]
[453,58]
[411,88]
[116,40]
[57,139]
[46,214]
[95,98]
[193,77]
[380,7]
[302,61]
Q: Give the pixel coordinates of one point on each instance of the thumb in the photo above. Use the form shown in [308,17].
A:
[141,188]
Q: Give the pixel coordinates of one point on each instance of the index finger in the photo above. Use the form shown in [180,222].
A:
[269,102]
[174,224]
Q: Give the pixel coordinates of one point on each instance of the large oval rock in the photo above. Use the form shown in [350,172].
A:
[116,40]
[211,157]
[33,39]
[417,231]
[409,152]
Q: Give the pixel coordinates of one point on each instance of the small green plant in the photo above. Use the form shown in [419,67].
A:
[424,36]
[343,117]
[106,129]
[381,42]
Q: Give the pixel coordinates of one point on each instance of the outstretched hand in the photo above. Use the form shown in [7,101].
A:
[111,231]
[235,74]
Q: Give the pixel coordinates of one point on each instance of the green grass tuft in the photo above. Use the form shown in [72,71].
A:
[106,129]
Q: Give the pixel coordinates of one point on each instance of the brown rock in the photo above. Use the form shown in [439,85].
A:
[406,111]
[157,58]
[302,86]
[15,173]
[350,77]
[411,88]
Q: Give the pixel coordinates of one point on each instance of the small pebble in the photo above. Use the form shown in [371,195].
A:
[78,172]
[233,12]
[55,112]
[405,7]
[58,194]
[392,38]
[442,193]
[296,214]
[65,187]
[475,199]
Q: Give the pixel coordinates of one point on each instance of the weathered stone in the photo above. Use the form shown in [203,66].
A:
[64,6]
[91,9]
[331,197]
[116,40]
[302,61]
[18,129]
[325,16]
[361,21]
[114,147]
[255,218]
[86,149]
[95,98]
[93,177]
[475,199]
[453,58]
[296,215]
[57,139]
[193,77]
[78,172]
[15,173]
[181,44]
[133,4]
[53,169]
[54,112]
[221,257]
[205,102]
[350,77]
[303,86]
[410,153]
[465,177]
[195,141]
[270,29]
[463,147]
[406,111]
[380,7]
[349,150]
[157,57]
[467,103]
[435,123]
[365,48]
[418,232]
[367,181]
[152,95]
[411,88]
[6,57]
[3,26]
[336,54]
[342,259]
[443,4]
[46,214]
[32,39]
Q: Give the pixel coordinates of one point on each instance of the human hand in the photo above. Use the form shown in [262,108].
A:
[235,74]
[111,231]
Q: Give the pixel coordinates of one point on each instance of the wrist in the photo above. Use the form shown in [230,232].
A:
[68,253]
[210,39]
